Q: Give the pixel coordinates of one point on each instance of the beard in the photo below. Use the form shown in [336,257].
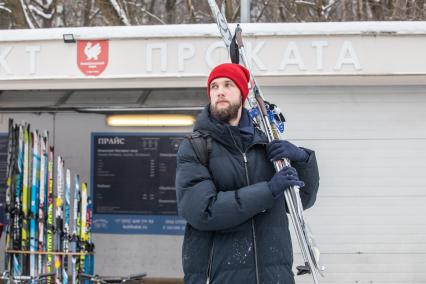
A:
[226,114]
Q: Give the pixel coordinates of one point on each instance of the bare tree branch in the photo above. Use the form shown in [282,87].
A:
[265,5]
[191,10]
[228,10]
[27,14]
[169,6]
[302,2]
[86,13]
[420,9]
[108,12]
[120,12]
[153,16]
[400,8]
[6,17]
[236,14]
[4,8]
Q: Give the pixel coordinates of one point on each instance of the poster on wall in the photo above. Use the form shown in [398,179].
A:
[133,183]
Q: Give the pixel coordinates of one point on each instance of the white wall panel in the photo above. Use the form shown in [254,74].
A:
[371,147]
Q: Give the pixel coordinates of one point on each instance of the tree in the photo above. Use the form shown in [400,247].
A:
[58,13]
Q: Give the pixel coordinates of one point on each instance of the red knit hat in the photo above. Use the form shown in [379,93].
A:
[237,73]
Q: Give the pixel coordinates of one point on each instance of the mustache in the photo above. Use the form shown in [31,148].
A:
[221,101]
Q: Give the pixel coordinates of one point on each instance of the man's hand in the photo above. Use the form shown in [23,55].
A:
[284,179]
[279,149]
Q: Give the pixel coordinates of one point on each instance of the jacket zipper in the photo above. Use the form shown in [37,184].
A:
[246,168]
[209,267]
[253,231]
[252,219]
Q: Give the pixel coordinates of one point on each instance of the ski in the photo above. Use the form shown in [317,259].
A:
[89,262]
[66,228]
[34,201]
[25,198]
[9,206]
[83,228]
[42,200]
[50,209]
[74,235]
[59,217]
[11,174]
[78,230]
[17,219]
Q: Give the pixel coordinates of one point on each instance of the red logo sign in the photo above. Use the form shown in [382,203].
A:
[92,56]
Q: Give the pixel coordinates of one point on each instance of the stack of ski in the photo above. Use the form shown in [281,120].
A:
[40,233]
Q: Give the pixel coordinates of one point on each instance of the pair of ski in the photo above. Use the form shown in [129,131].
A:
[79,240]
[32,210]
[21,210]
[271,121]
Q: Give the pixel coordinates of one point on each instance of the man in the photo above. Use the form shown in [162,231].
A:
[237,227]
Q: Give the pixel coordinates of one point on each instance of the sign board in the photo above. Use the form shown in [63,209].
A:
[92,56]
[183,55]
[133,183]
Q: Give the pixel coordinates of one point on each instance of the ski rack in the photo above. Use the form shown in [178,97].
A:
[111,279]
[25,278]
[38,205]
[270,119]
[49,253]
[39,278]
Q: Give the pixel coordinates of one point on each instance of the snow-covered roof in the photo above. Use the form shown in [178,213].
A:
[210,30]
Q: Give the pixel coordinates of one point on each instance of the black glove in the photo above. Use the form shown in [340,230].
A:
[279,149]
[284,179]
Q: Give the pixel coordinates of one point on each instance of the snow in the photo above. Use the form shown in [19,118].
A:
[27,17]
[120,12]
[211,30]
[305,3]
[2,7]
[40,12]
[330,4]
[48,3]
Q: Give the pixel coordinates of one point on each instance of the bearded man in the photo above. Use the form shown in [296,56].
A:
[237,227]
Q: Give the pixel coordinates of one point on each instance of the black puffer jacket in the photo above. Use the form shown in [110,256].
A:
[236,231]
